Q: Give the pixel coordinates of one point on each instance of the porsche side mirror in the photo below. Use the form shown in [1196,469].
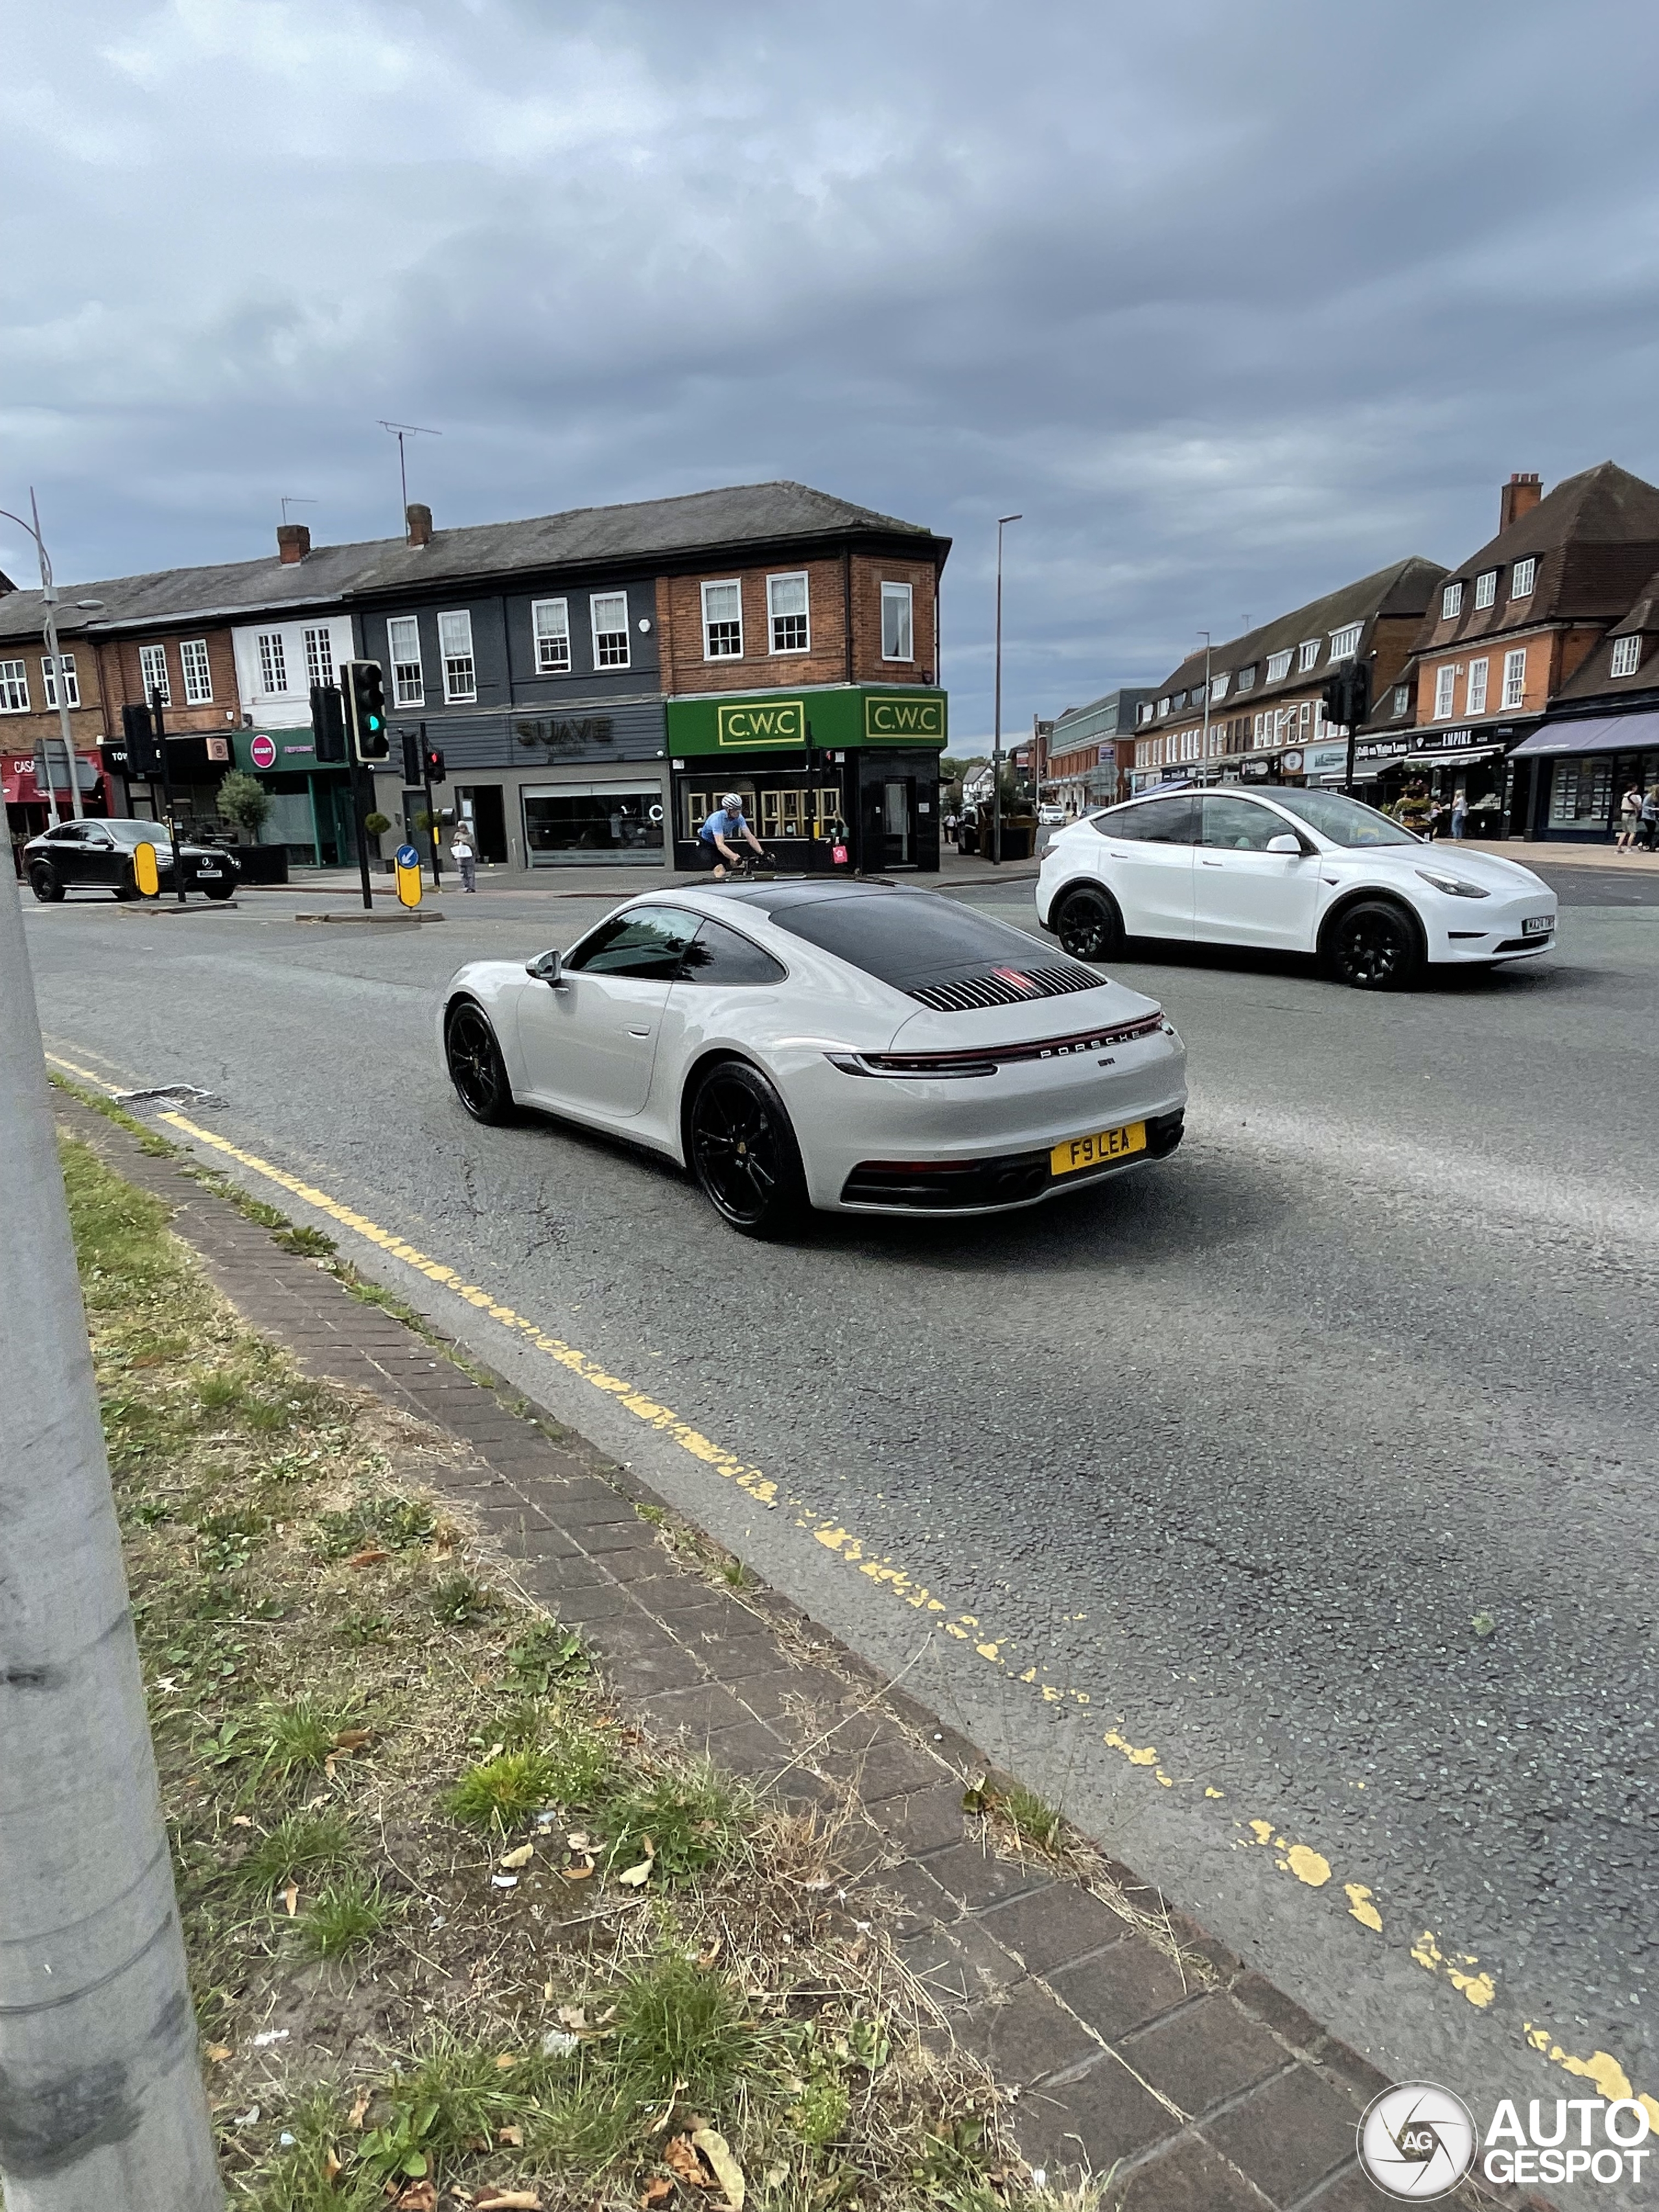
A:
[548,968]
[1288,843]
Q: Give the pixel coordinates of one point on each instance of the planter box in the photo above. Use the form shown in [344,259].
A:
[261,863]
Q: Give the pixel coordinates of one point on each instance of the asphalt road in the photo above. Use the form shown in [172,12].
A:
[1211,1471]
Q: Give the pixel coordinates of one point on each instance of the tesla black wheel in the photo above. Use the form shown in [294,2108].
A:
[743,1152]
[43,882]
[1373,947]
[476,1067]
[1087,926]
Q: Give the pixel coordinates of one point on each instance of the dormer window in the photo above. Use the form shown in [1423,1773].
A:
[1218,685]
[1521,582]
[1344,642]
[1247,677]
[1486,587]
[1279,665]
[1163,708]
[1626,655]
[1451,602]
[1402,700]
[1307,655]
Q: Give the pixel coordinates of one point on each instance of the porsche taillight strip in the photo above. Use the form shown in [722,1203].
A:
[987,1058]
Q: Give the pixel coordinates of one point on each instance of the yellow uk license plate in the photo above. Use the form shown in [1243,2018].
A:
[1094,1152]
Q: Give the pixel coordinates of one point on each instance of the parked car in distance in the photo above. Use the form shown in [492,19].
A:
[1049,815]
[1290,870]
[98,855]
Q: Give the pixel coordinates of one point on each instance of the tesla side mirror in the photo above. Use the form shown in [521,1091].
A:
[548,968]
[1288,843]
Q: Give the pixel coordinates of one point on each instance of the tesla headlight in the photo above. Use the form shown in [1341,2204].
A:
[1453,886]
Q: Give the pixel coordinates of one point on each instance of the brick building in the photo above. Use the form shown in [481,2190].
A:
[1091,751]
[1250,709]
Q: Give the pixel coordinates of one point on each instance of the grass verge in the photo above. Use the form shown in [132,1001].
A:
[460,1937]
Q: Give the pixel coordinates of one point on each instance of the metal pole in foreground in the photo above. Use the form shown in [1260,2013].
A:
[159,719]
[102,2100]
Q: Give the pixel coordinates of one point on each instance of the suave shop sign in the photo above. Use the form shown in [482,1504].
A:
[762,722]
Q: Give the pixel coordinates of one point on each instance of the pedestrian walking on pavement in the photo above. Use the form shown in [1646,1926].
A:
[1630,819]
[1459,813]
[461,851]
[1649,819]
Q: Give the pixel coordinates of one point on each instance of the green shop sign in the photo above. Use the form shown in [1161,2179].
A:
[276,752]
[844,716]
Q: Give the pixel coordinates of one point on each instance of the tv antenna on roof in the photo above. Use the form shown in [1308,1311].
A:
[400,431]
[296,499]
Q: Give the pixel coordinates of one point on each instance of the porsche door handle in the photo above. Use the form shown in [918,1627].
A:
[634,1032]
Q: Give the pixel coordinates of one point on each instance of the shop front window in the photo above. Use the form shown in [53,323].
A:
[578,823]
[1581,792]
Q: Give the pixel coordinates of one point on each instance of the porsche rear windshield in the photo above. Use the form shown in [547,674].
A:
[1344,821]
[909,939]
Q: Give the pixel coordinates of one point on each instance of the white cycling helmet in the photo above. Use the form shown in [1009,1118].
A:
[732,802]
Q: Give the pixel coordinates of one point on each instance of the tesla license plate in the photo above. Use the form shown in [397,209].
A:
[1537,924]
[1095,1151]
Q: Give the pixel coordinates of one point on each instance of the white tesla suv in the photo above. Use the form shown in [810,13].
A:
[1290,870]
[848,1046]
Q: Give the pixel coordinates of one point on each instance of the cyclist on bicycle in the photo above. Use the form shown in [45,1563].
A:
[726,822]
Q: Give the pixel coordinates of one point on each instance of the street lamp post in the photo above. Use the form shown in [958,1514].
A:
[55,661]
[1204,768]
[1003,520]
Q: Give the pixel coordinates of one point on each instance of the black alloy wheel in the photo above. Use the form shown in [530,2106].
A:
[743,1152]
[476,1067]
[1087,926]
[218,890]
[1373,947]
[43,882]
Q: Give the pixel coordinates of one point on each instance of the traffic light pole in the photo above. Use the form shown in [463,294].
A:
[360,777]
[167,791]
[102,2100]
[431,811]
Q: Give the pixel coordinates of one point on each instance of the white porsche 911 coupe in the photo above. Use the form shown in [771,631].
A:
[1290,870]
[853,1047]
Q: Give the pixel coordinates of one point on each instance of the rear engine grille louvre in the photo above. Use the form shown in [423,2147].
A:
[994,989]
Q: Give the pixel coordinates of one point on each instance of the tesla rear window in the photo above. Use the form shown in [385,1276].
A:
[910,940]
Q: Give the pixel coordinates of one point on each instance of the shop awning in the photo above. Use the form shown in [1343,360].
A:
[1451,759]
[1594,733]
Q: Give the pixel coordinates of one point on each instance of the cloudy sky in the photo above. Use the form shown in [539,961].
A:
[1233,301]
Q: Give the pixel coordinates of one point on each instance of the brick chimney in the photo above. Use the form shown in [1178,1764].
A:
[293,543]
[1518,497]
[419,519]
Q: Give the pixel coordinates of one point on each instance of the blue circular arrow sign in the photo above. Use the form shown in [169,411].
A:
[408,857]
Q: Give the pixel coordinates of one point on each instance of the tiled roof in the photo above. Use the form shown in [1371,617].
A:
[583,537]
[1595,540]
[1404,589]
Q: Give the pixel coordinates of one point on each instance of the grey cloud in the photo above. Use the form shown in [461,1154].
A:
[1235,303]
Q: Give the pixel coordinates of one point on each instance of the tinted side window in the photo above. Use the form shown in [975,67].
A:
[1238,823]
[720,955]
[70,833]
[1153,821]
[650,942]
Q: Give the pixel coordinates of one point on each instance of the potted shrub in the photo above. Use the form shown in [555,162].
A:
[246,804]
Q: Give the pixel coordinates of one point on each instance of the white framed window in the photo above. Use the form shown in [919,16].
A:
[1402,700]
[1218,685]
[609,613]
[1451,602]
[722,621]
[1521,582]
[1163,708]
[1445,691]
[1626,655]
[786,605]
[1255,729]
[198,671]
[1307,655]
[1344,642]
[1486,587]
[320,654]
[403,647]
[273,661]
[1475,689]
[1278,665]
[1514,677]
[71,681]
[153,672]
[14,688]
[1247,677]
[896,634]
[455,649]
[549,624]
